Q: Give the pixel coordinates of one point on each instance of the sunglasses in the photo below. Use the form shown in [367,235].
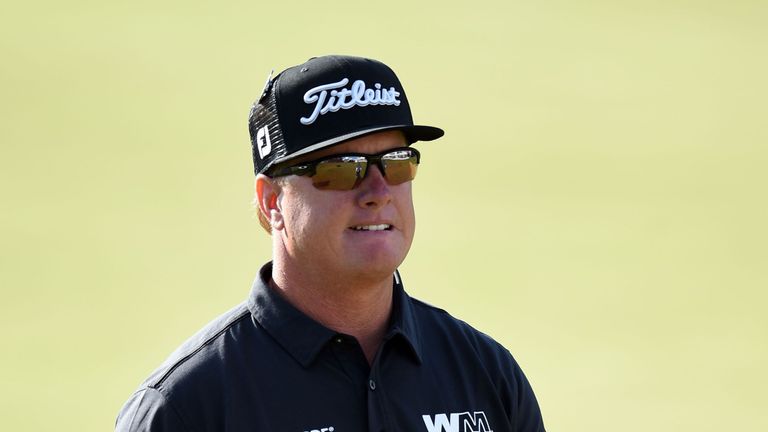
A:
[347,170]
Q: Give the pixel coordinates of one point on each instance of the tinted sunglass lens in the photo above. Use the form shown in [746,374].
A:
[339,174]
[400,166]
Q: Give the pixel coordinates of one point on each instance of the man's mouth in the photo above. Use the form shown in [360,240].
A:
[380,227]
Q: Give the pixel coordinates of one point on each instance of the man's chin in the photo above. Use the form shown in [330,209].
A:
[374,266]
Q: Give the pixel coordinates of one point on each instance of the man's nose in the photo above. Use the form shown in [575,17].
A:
[374,191]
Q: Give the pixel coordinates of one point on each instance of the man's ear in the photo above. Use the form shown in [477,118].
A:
[267,194]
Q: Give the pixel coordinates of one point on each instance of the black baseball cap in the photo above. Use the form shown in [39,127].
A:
[324,102]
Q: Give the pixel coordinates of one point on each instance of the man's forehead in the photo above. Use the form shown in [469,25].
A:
[373,143]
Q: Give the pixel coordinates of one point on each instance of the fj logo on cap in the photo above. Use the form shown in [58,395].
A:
[263,143]
[334,96]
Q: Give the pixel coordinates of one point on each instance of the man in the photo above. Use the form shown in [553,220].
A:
[328,340]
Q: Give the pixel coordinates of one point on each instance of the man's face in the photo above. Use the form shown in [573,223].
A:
[322,227]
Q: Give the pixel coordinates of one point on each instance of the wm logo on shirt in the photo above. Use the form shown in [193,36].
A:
[457,422]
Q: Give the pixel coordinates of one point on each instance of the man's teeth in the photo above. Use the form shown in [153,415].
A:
[381,227]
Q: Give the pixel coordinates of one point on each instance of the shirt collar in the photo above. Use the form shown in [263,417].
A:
[403,321]
[304,337]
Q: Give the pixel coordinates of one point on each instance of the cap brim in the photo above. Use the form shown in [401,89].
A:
[412,134]
[422,133]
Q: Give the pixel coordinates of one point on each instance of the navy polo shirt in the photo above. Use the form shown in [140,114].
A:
[266,366]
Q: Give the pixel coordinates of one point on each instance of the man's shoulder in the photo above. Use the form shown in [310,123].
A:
[203,350]
[162,401]
[454,345]
[438,324]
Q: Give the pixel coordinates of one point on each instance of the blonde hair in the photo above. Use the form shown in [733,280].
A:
[263,221]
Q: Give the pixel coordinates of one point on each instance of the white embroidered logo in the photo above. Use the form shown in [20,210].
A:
[346,98]
[263,143]
[458,422]
[325,429]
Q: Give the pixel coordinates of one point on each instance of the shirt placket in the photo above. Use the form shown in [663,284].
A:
[379,419]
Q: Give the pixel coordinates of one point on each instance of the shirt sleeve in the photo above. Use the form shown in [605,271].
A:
[528,414]
[148,410]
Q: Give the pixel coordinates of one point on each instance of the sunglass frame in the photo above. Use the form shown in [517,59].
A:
[308,168]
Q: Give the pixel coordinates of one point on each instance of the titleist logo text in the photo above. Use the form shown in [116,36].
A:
[332,97]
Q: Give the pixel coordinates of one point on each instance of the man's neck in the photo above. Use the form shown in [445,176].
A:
[353,306]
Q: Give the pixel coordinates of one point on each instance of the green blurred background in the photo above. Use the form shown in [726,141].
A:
[598,203]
